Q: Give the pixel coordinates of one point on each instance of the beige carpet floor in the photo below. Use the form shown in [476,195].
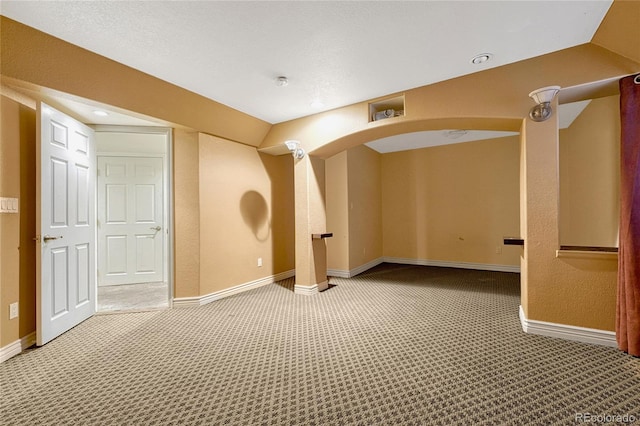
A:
[397,345]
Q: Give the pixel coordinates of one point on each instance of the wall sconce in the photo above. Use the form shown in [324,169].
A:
[294,147]
[542,97]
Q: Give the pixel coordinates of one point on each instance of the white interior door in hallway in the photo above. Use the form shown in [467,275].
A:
[131,229]
[65,223]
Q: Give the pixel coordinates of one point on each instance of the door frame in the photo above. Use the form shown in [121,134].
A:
[167,187]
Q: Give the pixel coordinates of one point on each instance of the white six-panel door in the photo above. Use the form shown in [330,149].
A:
[65,224]
[130,220]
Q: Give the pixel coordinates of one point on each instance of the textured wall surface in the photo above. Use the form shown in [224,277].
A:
[453,203]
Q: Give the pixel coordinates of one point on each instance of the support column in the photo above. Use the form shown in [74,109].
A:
[311,255]
[539,212]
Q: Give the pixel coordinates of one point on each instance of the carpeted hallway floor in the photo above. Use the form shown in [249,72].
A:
[396,345]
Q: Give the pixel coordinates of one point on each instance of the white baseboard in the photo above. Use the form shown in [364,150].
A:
[306,290]
[341,273]
[568,332]
[17,347]
[183,302]
[450,264]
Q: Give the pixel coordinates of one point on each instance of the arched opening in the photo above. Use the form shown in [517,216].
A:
[404,126]
[438,196]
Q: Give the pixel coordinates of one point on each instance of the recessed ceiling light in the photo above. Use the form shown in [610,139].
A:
[100,113]
[282,81]
[481,58]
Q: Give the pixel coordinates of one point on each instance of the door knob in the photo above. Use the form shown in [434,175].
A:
[47,238]
[156,228]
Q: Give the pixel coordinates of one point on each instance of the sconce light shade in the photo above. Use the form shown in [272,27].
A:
[542,97]
[546,94]
[294,147]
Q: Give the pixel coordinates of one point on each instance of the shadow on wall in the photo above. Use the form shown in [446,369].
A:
[255,212]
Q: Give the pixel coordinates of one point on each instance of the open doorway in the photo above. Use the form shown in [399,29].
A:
[133,218]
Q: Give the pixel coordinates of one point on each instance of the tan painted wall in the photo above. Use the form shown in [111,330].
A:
[27,220]
[418,204]
[453,202]
[280,174]
[365,205]
[354,208]
[246,212]
[580,292]
[618,31]
[337,198]
[186,196]
[17,251]
[590,176]
[9,223]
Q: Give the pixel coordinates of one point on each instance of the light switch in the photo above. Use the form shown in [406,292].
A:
[8,205]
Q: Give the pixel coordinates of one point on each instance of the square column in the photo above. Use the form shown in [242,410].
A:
[311,218]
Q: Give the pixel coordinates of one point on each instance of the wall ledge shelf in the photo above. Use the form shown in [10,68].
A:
[321,236]
[587,254]
[513,241]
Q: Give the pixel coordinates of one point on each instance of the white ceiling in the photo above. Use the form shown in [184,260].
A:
[432,138]
[338,52]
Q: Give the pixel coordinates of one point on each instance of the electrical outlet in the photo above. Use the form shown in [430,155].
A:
[259,262]
[13,310]
[498,249]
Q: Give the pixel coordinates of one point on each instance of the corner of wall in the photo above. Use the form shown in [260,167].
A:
[186,214]
[619,31]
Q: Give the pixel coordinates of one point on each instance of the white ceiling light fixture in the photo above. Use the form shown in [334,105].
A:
[100,113]
[481,58]
[542,97]
[294,147]
[282,81]
[455,134]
